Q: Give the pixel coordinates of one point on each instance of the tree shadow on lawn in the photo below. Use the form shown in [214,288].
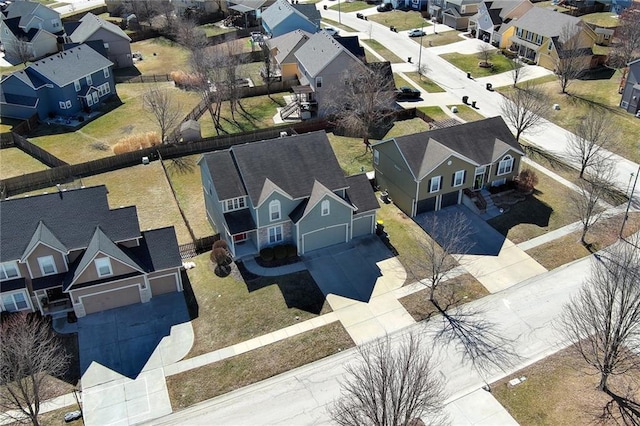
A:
[531,211]
[299,289]
[620,408]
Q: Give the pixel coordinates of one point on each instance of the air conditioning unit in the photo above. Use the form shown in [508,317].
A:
[283,134]
[145,160]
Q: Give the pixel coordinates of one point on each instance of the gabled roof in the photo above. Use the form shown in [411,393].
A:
[91,23]
[310,11]
[286,43]
[224,175]
[64,68]
[43,235]
[318,193]
[547,22]
[158,250]
[282,10]
[26,10]
[352,44]
[499,9]
[99,244]
[72,216]
[479,142]
[269,188]
[360,193]
[319,51]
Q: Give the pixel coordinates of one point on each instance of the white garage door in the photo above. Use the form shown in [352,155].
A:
[111,299]
[324,238]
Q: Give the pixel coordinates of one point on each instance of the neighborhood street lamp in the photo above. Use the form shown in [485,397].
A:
[626,213]
[420,54]
[339,15]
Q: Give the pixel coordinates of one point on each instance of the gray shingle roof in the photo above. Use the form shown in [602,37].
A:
[360,193]
[310,11]
[25,10]
[280,11]
[224,174]
[43,235]
[480,141]
[318,52]
[286,43]
[72,216]
[158,250]
[91,23]
[547,22]
[65,67]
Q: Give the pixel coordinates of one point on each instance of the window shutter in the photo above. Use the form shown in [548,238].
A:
[429,185]
[453,179]
[464,177]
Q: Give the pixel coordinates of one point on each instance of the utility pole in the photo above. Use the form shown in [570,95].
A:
[626,213]
[420,54]
[339,15]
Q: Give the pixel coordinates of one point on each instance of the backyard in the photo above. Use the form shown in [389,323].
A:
[15,162]
[160,56]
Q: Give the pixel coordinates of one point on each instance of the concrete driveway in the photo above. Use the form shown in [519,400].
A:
[122,355]
[493,260]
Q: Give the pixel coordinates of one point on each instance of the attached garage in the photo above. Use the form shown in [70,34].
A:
[324,238]
[427,205]
[362,226]
[111,299]
[163,285]
[450,199]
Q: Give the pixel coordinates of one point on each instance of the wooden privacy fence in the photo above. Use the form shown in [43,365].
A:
[153,78]
[37,152]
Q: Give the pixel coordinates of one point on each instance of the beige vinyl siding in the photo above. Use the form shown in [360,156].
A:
[91,273]
[41,251]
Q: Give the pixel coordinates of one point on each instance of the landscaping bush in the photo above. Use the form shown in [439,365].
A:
[267,254]
[185,80]
[292,251]
[136,142]
[220,256]
[504,187]
[527,180]
[221,244]
[280,252]
[509,54]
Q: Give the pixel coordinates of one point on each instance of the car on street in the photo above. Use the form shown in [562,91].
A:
[331,31]
[406,92]
[384,7]
[416,32]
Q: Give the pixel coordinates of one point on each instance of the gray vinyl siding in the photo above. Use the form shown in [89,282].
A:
[394,176]
[286,206]
[211,201]
[339,214]
[363,224]
[119,48]
[333,77]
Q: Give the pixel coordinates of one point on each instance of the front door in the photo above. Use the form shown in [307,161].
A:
[478,179]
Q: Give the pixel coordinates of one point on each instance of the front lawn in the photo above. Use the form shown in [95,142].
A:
[425,82]
[354,6]
[160,56]
[469,63]
[543,211]
[466,113]
[402,20]
[209,381]
[335,24]
[387,54]
[15,162]
[441,38]
[436,113]
[560,390]
[147,188]
[236,308]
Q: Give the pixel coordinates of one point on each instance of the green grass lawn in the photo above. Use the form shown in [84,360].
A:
[435,112]
[441,39]
[425,82]
[128,119]
[206,382]
[543,211]
[601,19]
[399,81]
[251,70]
[160,56]
[335,24]
[387,54]
[354,6]
[147,188]
[15,162]
[469,63]
[56,417]
[402,20]
[213,29]
[467,113]
[601,94]
[185,179]
[236,308]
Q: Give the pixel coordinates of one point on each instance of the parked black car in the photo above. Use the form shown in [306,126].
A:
[384,7]
[406,92]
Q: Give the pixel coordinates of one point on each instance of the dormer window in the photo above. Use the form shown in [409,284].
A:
[325,207]
[103,266]
[47,265]
[274,210]
[9,271]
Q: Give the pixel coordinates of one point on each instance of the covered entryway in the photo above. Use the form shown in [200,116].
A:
[324,238]
[427,205]
[111,299]
[450,199]
[362,226]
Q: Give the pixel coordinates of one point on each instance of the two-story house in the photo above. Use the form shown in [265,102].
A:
[430,170]
[116,42]
[283,17]
[282,50]
[285,190]
[29,30]
[545,37]
[493,16]
[67,251]
[631,89]
[63,84]
[453,13]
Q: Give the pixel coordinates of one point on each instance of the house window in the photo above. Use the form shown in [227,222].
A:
[376,157]
[68,104]
[14,302]
[529,36]
[62,105]
[325,207]
[458,178]
[519,32]
[235,204]
[606,36]
[106,72]
[550,44]
[538,39]
[76,84]
[275,234]
[505,166]
[89,81]
[103,266]
[318,82]
[47,265]
[435,184]
[9,271]
[103,89]
[274,210]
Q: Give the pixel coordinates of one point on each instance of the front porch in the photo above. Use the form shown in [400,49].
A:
[524,49]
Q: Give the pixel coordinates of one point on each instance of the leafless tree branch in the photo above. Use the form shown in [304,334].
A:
[593,140]
[524,109]
[164,108]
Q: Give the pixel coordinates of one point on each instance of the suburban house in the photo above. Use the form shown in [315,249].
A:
[410,4]
[540,34]
[431,170]
[493,16]
[283,48]
[631,89]
[283,17]
[454,13]
[29,29]
[67,251]
[92,28]
[288,190]
[64,84]
[251,10]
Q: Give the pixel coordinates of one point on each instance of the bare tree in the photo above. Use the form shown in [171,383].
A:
[593,138]
[585,203]
[570,60]
[485,53]
[229,85]
[364,101]
[603,320]
[189,35]
[423,69]
[29,354]
[269,66]
[164,108]
[626,44]
[523,108]
[392,384]
[166,10]
[20,49]
[143,9]
[518,71]
[208,65]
